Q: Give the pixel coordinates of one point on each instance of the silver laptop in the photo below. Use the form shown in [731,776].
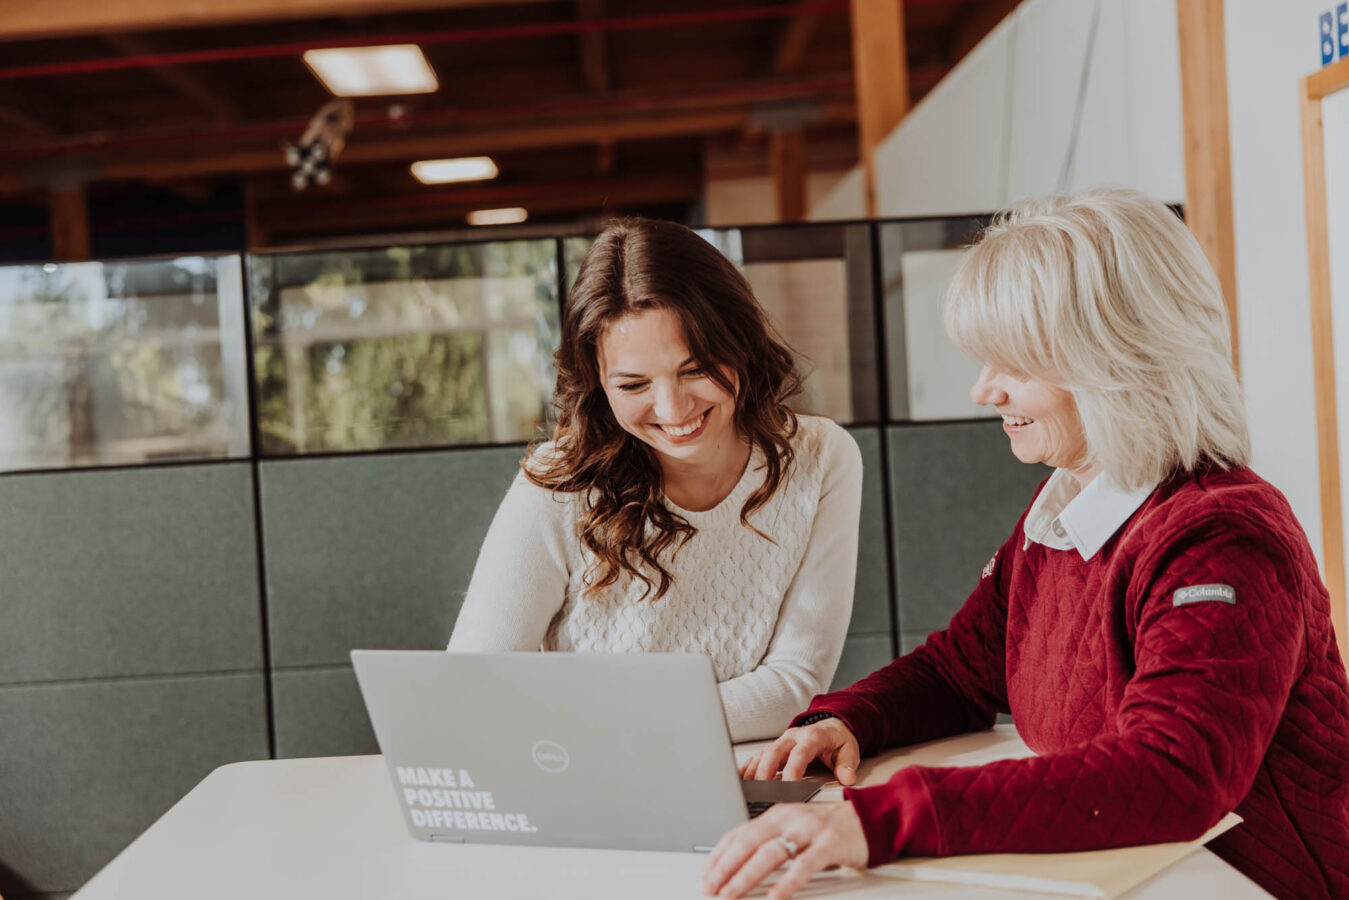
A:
[627,752]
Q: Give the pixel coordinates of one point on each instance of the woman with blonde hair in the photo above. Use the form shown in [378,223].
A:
[1156,624]
[680,505]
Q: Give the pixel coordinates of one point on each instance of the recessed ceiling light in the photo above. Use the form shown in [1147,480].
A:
[372,71]
[509,216]
[443,171]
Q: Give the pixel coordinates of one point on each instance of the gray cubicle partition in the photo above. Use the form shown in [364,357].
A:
[130,657]
[165,618]
[869,643]
[371,551]
[956,491]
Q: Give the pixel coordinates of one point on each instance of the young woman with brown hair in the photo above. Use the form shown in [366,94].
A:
[680,506]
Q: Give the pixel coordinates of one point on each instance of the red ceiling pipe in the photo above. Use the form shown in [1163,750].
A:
[457,36]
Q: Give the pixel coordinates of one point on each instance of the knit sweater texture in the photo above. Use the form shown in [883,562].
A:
[1153,710]
[771,614]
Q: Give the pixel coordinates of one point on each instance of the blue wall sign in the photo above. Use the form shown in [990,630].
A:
[1334,34]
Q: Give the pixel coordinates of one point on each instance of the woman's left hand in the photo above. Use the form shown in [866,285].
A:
[814,836]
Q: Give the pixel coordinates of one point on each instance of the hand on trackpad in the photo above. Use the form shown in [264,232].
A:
[779,791]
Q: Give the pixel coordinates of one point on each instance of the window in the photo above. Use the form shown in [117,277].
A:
[404,346]
[122,362]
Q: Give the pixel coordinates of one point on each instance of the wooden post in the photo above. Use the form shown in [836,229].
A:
[255,230]
[1331,79]
[788,152]
[1208,158]
[69,223]
[881,76]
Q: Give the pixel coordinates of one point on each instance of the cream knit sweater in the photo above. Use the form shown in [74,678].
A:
[772,615]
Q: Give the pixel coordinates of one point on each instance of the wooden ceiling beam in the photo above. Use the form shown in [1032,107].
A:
[407,148]
[790,49]
[69,223]
[1208,156]
[286,222]
[594,47]
[880,77]
[972,27]
[793,41]
[787,155]
[17,112]
[191,86]
[24,123]
[36,19]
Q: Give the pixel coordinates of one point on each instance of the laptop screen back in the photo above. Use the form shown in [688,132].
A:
[558,749]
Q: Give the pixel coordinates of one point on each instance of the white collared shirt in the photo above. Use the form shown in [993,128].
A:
[1067,516]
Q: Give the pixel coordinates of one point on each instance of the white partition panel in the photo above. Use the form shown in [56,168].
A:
[1050,39]
[1105,152]
[797,296]
[998,126]
[847,199]
[939,375]
[1153,79]
[946,157]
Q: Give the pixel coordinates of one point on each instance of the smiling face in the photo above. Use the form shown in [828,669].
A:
[662,396]
[1040,418]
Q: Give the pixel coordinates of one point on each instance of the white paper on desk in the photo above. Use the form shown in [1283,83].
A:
[1093,873]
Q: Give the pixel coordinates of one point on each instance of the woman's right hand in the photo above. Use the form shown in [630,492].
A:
[827,740]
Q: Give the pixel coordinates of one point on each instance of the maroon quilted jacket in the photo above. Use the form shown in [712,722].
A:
[1153,713]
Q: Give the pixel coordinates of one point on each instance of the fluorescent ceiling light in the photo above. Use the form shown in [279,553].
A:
[443,171]
[372,71]
[508,216]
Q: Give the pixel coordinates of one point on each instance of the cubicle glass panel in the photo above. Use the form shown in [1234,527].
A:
[404,346]
[106,363]
[928,378]
[815,283]
[573,251]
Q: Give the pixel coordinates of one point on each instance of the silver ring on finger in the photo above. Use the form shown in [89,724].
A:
[787,844]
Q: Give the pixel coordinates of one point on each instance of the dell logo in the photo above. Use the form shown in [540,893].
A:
[551,756]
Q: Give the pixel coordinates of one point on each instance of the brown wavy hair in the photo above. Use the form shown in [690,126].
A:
[637,265]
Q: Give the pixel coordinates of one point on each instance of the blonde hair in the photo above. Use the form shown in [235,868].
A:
[1107,294]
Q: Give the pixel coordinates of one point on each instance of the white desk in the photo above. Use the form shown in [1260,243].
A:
[331,829]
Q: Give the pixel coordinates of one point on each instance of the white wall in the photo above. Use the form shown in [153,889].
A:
[753,201]
[997,128]
[1270,47]
[940,376]
[845,200]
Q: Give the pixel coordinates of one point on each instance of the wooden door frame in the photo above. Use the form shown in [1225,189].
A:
[1315,87]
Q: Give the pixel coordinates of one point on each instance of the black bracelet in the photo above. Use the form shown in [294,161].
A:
[815,717]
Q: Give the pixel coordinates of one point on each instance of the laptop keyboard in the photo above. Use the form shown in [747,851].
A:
[758,807]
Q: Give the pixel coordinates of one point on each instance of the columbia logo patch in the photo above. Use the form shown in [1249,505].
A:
[1199,593]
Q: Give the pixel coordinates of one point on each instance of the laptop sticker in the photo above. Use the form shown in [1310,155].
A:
[446,798]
